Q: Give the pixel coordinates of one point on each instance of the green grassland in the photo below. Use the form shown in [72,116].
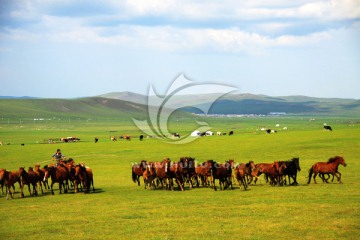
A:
[119,209]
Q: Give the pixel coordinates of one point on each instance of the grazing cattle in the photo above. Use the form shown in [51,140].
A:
[10,178]
[96,140]
[231,133]
[137,171]
[141,137]
[57,174]
[218,133]
[327,128]
[126,137]
[176,135]
[28,178]
[1,143]
[268,131]
[41,174]
[329,167]
[113,138]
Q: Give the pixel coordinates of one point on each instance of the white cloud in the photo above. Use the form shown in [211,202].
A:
[261,20]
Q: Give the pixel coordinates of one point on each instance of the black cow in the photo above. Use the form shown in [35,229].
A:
[176,135]
[327,128]
[141,137]
[231,133]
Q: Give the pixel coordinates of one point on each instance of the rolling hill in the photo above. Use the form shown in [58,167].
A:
[127,105]
[92,107]
[255,104]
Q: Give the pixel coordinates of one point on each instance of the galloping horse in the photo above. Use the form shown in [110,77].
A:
[221,172]
[203,171]
[162,170]
[28,178]
[41,174]
[137,171]
[58,174]
[187,169]
[85,176]
[292,167]
[329,167]
[9,178]
[149,175]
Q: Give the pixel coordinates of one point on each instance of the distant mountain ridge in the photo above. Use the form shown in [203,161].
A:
[252,104]
[132,105]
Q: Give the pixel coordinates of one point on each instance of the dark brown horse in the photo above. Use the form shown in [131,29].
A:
[222,172]
[41,174]
[137,171]
[187,169]
[58,174]
[329,167]
[292,167]
[10,178]
[28,178]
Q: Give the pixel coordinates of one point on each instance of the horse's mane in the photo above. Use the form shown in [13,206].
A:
[331,160]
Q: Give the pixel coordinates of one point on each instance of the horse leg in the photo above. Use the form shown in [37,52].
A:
[21,190]
[315,174]
[31,194]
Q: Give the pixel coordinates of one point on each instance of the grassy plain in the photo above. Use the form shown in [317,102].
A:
[119,209]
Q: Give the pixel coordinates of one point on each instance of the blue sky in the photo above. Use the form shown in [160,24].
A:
[78,48]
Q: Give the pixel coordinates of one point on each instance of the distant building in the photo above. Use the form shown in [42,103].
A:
[277,113]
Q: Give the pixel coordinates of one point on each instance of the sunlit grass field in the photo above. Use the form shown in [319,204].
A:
[119,209]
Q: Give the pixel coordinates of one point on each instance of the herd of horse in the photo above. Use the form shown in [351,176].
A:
[67,174]
[186,172]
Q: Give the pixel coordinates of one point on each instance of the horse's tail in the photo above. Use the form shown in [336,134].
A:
[133,176]
[311,171]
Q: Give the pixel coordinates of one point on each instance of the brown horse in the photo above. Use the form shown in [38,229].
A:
[203,171]
[41,174]
[137,171]
[85,176]
[274,171]
[329,167]
[243,171]
[149,175]
[176,171]
[10,178]
[163,173]
[58,174]
[28,178]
